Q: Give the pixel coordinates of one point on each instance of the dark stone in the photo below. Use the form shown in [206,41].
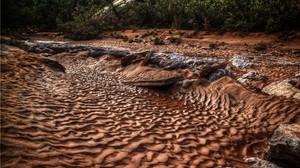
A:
[115,52]
[58,48]
[297,85]
[174,39]
[147,58]
[158,41]
[285,144]
[54,65]
[207,71]
[175,65]
[128,59]
[44,50]
[96,52]
[219,74]
[55,48]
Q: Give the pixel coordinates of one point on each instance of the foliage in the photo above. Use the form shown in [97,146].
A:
[81,26]
[77,18]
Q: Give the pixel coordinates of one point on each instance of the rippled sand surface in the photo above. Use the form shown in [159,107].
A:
[87,118]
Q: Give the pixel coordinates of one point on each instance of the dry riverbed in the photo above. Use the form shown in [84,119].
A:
[88,107]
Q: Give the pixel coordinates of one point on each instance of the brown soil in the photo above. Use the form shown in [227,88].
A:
[87,117]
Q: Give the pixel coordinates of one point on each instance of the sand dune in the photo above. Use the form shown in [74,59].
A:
[88,118]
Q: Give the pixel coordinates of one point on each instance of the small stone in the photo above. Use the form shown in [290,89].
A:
[297,74]
[186,83]
[158,41]
[220,73]
[208,70]
[250,76]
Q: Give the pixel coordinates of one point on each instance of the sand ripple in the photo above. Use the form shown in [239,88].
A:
[88,118]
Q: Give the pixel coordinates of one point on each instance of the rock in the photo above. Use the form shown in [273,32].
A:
[167,64]
[241,62]
[260,61]
[55,47]
[128,59]
[159,62]
[187,83]
[250,76]
[212,45]
[282,88]
[44,50]
[59,48]
[293,81]
[158,41]
[174,39]
[174,65]
[297,85]
[285,144]
[208,70]
[95,53]
[259,163]
[147,58]
[115,52]
[133,57]
[220,73]
[296,51]
[149,77]
[53,64]
[297,74]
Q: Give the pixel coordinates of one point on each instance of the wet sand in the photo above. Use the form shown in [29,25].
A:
[87,117]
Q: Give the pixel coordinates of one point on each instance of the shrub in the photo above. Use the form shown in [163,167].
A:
[260,46]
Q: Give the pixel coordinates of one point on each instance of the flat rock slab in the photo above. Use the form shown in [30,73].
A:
[285,144]
[150,77]
[244,62]
[282,88]
[49,48]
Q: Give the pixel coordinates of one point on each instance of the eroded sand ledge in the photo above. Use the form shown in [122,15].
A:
[88,117]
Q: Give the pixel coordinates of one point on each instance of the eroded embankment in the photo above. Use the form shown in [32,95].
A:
[88,117]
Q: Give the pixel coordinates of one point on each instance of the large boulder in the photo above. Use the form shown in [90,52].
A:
[149,77]
[285,144]
[282,88]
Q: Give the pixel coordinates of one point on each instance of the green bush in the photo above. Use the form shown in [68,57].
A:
[76,17]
